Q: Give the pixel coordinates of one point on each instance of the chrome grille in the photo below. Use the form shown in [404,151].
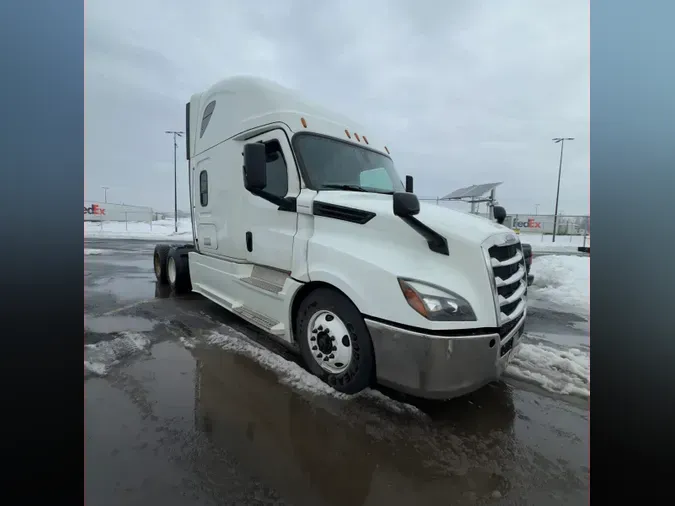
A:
[508,273]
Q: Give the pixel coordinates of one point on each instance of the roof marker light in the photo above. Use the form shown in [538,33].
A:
[365,139]
[304,123]
[387,150]
[348,135]
[357,137]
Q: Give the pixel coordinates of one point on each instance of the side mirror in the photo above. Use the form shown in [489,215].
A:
[409,184]
[406,204]
[499,214]
[255,166]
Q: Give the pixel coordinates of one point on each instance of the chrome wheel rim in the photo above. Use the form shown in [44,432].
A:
[329,342]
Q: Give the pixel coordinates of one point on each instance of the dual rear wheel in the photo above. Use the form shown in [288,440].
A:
[171,267]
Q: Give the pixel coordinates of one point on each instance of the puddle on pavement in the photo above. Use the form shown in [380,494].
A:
[130,287]
[304,446]
[143,264]
[114,323]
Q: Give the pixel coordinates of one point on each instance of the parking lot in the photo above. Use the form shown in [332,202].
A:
[187,404]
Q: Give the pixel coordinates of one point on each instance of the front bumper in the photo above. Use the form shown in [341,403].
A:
[439,367]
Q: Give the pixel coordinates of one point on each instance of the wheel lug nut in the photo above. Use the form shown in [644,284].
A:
[331,355]
[319,355]
[314,348]
[320,327]
[312,338]
[334,348]
[325,359]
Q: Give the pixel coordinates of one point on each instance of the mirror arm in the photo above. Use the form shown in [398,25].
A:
[267,196]
[284,203]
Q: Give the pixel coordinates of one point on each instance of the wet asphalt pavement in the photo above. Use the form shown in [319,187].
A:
[173,424]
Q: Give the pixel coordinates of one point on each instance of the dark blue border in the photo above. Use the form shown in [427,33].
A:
[633,229]
[41,275]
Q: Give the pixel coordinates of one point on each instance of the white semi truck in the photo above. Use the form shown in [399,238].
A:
[303,228]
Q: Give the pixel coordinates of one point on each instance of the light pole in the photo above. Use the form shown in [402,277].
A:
[536,209]
[105,193]
[175,178]
[560,140]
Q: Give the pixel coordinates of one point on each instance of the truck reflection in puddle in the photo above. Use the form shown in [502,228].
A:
[318,450]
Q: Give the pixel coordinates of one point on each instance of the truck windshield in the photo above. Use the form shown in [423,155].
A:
[331,164]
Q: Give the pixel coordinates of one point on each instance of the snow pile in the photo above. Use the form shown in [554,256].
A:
[101,356]
[563,243]
[566,372]
[93,251]
[562,279]
[188,343]
[291,374]
[162,230]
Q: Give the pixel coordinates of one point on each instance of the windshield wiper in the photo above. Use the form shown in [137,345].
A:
[353,188]
[348,187]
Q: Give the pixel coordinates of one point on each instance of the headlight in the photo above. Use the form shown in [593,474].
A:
[435,303]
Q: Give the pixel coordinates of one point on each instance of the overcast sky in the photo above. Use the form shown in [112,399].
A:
[463,92]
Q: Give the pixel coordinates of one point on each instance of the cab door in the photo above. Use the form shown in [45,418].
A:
[269,230]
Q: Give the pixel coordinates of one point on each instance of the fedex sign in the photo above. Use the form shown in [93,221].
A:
[94,209]
[530,223]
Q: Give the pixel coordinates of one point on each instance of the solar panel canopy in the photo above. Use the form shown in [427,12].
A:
[472,191]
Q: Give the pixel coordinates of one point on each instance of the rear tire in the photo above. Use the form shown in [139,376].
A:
[159,260]
[335,342]
[178,271]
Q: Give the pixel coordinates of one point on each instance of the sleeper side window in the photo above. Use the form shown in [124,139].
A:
[277,174]
[203,188]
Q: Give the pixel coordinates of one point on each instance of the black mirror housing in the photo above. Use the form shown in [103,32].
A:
[255,166]
[499,213]
[406,204]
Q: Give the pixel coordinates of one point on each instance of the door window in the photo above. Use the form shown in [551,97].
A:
[277,174]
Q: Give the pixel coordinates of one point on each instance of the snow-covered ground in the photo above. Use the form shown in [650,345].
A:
[563,243]
[562,280]
[99,357]
[560,364]
[157,230]
[560,370]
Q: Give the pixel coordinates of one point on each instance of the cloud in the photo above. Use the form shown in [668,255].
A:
[462,92]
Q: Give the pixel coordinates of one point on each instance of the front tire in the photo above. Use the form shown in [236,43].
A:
[334,341]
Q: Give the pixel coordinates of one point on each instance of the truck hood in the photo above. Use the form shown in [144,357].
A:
[453,225]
